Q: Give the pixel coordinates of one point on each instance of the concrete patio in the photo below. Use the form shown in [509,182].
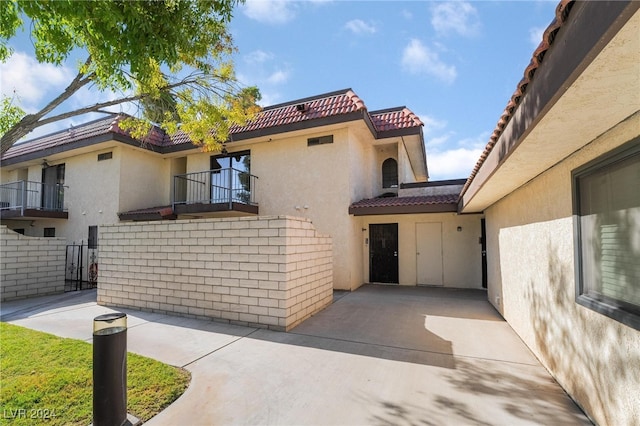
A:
[379,355]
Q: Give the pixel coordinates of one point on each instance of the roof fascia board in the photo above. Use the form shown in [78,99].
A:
[433,183]
[168,149]
[590,27]
[407,131]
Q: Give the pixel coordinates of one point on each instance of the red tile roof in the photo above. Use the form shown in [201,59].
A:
[562,12]
[334,104]
[331,104]
[93,128]
[395,118]
[406,201]
[103,126]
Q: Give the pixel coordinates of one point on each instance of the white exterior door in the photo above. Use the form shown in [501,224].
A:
[429,253]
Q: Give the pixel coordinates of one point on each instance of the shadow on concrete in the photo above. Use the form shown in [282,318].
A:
[391,322]
[24,308]
[482,394]
[441,356]
[442,374]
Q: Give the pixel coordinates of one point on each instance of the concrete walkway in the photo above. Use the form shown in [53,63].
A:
[381,355]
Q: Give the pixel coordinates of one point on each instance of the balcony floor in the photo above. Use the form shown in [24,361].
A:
[190,210]
[198,208]
[32,214]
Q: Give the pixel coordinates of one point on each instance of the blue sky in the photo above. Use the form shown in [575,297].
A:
[455,64]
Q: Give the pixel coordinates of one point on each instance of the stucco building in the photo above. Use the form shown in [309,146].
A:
[559,185]
[360,176]
[549,219]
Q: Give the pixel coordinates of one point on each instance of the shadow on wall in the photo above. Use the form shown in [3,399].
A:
[484,395]
[588,357]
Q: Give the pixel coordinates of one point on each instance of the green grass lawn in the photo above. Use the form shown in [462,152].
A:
[51,377]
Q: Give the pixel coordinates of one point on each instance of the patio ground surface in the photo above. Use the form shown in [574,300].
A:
[380,355]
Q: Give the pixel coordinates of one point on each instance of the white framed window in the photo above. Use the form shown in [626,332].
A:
[606,204]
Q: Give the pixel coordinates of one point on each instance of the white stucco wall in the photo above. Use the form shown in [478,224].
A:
[532,283]
[365,174]
[91,193]
[96,191]
[405,172]
[144,180]
[461,251]
[310,182]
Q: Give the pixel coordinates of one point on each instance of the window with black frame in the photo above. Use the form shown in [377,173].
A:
[231,178]
[92,240]
[606,196]
[390,173]
[52,194]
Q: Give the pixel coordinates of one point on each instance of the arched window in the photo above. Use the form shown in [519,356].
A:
[390,173]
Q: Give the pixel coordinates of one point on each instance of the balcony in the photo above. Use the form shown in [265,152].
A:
[212,191]
[32,200]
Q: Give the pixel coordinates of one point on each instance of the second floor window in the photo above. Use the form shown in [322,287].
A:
[390,173]
[231,177]
[52,193]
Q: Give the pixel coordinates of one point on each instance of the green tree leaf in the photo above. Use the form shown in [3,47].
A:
[170,57]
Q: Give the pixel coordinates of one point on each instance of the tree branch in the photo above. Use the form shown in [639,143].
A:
[97,107]
[32,121]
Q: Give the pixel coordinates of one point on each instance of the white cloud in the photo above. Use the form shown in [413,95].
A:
[274,12]
[452,164]
[455,17]
[406,14]
[431,124]
[32,80]
[263,71]
[258,57]
[359,27]
[453,160]
[270,98]
[278,77]
[535,35]
[420,59]
[437,141]
[90,95]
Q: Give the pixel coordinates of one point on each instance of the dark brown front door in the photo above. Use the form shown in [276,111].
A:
[383,253]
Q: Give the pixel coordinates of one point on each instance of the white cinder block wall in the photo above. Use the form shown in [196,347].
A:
[271,272]
[30,266]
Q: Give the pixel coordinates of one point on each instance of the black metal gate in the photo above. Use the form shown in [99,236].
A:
[81,270]
[383,253]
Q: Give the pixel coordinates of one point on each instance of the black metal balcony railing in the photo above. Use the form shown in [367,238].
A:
[221,186]
[26,195]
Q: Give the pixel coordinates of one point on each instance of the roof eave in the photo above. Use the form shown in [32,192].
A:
[589,28]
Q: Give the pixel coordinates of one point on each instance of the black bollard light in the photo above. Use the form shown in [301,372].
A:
[110,370]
